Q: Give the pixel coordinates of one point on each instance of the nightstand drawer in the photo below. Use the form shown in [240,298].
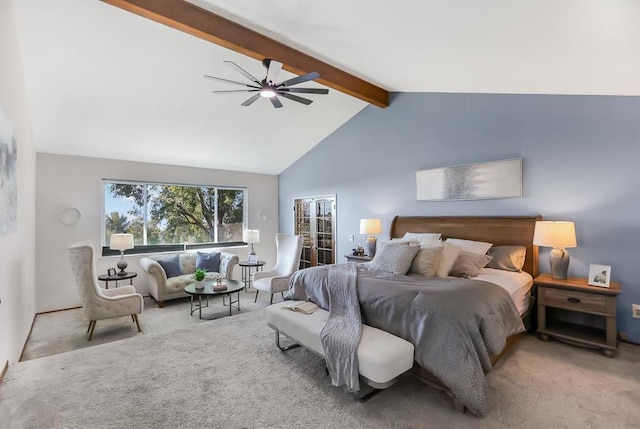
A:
[579,301]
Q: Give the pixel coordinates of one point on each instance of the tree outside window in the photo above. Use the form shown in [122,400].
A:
[162,214]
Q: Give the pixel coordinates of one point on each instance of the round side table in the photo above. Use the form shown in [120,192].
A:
[246,271]
[106,278]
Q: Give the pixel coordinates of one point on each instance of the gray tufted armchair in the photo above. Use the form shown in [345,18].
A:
[99,303]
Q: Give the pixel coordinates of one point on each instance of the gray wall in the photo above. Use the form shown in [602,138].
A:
[581,157]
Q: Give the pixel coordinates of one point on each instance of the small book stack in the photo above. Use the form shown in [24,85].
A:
[219,287]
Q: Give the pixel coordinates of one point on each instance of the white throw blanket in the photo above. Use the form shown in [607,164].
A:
[341,335]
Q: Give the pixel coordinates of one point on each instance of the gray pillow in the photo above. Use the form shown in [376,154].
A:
[469,264]
[508,258]
[426,261]
[171,266]
[394,259]
[208,261]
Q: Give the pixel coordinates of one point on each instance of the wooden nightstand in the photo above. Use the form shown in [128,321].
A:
[352,258]
[574,294]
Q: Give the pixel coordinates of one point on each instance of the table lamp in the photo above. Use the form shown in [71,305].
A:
[559,236]
[251,236]
[121,242]
[370,226]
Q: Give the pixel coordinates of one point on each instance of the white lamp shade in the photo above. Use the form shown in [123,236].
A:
[370,226]
[251,236]
[556,234]
[121,242]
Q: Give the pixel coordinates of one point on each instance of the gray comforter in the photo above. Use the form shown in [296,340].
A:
[454,324]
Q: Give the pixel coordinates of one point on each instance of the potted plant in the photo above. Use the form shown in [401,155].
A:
[198,275]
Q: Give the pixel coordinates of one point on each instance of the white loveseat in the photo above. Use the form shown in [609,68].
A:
[162,288]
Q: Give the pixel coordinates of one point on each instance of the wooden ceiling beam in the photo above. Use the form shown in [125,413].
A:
[206,25]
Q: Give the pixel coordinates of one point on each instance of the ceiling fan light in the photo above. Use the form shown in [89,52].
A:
[267,92]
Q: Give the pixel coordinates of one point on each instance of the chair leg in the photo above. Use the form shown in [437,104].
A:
[90,323]
[135,319]
[256,298]
[271,300]
[282,293]
[93,326]
[285,348]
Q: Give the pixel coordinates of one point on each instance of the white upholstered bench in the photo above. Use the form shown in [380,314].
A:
[382,357]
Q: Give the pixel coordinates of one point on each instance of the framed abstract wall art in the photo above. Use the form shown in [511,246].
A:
[8,185]
[483,180]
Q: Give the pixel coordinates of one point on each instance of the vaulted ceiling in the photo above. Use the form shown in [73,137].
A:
[104,82]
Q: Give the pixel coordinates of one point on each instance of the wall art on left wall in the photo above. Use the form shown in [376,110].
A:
[8,185]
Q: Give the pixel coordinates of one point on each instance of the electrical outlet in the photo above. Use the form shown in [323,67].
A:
[351,237]
[635,311]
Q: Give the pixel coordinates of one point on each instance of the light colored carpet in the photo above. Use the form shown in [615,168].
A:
[63,331]
[227,373]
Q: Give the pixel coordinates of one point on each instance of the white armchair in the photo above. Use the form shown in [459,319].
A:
[288,250]
[99,303]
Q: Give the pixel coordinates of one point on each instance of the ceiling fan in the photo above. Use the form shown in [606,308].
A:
[268,87]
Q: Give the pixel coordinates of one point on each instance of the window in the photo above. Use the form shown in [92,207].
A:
[167,217]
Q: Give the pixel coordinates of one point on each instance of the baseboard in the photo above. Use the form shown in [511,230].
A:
[24,346]
[624,337]
[4,371]
[62,309]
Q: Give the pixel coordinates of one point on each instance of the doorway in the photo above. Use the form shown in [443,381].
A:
[315,220]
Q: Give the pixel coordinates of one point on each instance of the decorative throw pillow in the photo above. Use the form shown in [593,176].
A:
[449,256]
[479,247]
[394,259]
[426,261]
[469,264]
[509,258]
[171,266]
[208,261]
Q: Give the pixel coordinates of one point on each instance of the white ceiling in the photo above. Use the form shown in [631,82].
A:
[103,82]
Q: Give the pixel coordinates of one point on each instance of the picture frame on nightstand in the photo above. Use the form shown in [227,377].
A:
[599,275]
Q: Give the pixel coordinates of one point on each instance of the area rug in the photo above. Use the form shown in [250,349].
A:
[227,373]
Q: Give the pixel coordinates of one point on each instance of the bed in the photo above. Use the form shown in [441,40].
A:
[458,326]
[500,231]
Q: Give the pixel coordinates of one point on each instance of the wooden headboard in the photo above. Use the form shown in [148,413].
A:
[500,231]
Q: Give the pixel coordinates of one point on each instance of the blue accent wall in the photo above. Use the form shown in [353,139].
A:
[581,163]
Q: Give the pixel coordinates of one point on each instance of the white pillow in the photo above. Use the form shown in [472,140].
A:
[479,247]
[381,244]
[428,242]
[425,239]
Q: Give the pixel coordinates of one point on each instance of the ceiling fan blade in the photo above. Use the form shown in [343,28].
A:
[273,71]
[244,72]
[305,90]
[296,98]
[251,100]
[276,102]
[234,90]
[300,79]
[229,81]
